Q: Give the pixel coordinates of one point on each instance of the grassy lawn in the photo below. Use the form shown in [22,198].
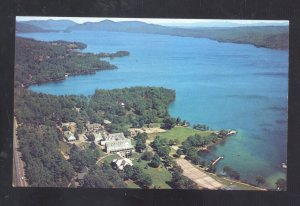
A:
[132,185]
[180,133]
[153,125]
[158,175]
[135,155]
[110,158]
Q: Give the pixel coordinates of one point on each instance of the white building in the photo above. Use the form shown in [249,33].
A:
[119,146]
[69,136]
[106,122]
[121,163]
[98,137]
[112,137]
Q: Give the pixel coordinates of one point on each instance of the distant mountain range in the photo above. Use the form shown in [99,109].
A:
[27,28]
[123,26]
[275,37]
[51,24]
[221,24]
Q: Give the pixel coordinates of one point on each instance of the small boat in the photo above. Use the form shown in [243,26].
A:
[284,165]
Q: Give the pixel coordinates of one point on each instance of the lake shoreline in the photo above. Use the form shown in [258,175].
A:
[220,114]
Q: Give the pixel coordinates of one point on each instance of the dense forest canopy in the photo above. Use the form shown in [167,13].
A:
[41,113]
[38,61]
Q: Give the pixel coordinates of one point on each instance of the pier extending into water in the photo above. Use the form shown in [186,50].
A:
[217,160]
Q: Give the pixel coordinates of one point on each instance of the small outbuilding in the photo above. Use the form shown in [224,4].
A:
[107,122]
[119,164]
[69,136]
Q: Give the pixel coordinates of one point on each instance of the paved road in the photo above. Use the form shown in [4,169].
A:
[19,173]
[198,176]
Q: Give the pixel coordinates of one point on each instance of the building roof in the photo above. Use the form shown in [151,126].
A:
[69,135]
[115,136]
[93,126]
[119,145]
[106,121]
[121,163]
[98,136]
[81,175]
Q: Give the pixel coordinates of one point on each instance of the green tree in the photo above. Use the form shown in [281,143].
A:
[90,137]
[128,172]
[148,155]
[93,145]
[178,121]
[145,180]
[178,181]
[103,178]
[137,172]
[201,127]
[179,152]
[168,123]
[140,146]
[169,161]
[155,162]
[163,151]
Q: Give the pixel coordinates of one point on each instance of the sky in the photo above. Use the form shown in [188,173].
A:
[81,20]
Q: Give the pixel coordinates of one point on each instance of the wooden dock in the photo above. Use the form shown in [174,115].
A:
[217,160]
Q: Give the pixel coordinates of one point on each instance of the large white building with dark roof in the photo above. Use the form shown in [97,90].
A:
[123,145]
[112,137]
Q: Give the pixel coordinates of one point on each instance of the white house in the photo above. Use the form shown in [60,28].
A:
[106,122]
[69,136]
[97,136]
[121,163]
[122,104]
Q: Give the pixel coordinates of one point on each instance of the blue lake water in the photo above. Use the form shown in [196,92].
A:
[223,85]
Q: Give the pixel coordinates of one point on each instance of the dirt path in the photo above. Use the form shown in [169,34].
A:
[18,172]
[101,158]
[199,177]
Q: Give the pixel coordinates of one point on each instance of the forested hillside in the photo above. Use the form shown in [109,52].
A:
[39,115]
[27,28]
[274,37]
[51,24]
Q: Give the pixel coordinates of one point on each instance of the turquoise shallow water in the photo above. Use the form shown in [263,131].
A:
[223,85]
